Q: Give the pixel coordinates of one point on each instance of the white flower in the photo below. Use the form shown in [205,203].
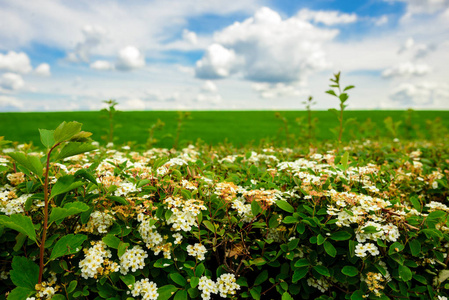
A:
[145,288]
[197,251]
[133,259]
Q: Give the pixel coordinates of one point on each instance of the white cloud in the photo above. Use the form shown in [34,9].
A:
[11,81]
[278,90]
[217,62]
[407,69]
[382,20]
[326,17]
[130,58]
[265,48]
[415,7]
[190,36]
[209,98]
[15,62]
[43,70]
[209,86]
[101,65]
[93,36]
[132,104]
[10,102]
[420,95]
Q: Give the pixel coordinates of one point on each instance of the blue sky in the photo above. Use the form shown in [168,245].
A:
[216,54]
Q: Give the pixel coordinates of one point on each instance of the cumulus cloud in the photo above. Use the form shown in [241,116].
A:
[265,48]
[217,62]
[130,58]
[209,98]
[189,36]
[415,7]
[209,86]
[15,62]
[43,70]
[11,81]
[101,65]
[132,104]
[277,90]
[406,69]
[93,36]
[422,94]
[10,103]
[326,17]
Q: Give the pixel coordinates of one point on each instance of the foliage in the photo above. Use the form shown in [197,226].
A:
[224,222]
[111,113]
[342,97]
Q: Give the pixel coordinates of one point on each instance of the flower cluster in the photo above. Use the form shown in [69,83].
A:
[184,212]
[133,259]
[98,223]
[362,249]
[227,285]
[207,286]
[145,288]
[197,251]
[96,261]
[374,282]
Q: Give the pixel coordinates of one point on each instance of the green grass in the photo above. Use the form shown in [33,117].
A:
[237,127]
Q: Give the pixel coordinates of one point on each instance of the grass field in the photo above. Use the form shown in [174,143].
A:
[237,127]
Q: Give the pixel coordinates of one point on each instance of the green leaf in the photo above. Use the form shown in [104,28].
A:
[74,148]
[284,205]
[405,273]
[72,286]
[331,92]
[20,293]
[301,262]
[293,244]
[120,200]
[30,162]
[111,241]
[330,249]
[432,233]
[128,279]
[344,161]
[181,295]
[322,270]
[86,175]
[194,281]
[58,297]
[47,138]
[69,209]
[416,203]
[24,273]
[343,97]
[286,296]
[299,274]
[415,247]
[82,136]
[348,88]
[122,249]
[20,223]
[20,240]
[357,295]
[199,270]
[262,277]
[350,271]
[320,239]
[209,225]
[255,208]
[65,184]
[178,278]
[166,291]
[340,236]
[65,131]
[67,245]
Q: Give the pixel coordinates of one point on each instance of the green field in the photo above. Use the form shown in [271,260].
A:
[237,127]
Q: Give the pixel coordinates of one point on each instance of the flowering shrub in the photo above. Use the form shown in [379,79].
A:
[207,222]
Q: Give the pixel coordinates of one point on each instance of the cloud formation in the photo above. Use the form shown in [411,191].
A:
[93,36]
[407,69]
[101,65]
[15,62]
[326,17]
[11,81]
[266,48]
[43,70]
[420,95]
[130,58]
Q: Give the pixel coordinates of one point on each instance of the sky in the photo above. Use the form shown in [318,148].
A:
[60,55]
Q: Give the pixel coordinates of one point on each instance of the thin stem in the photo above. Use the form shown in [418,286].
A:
[44,231]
